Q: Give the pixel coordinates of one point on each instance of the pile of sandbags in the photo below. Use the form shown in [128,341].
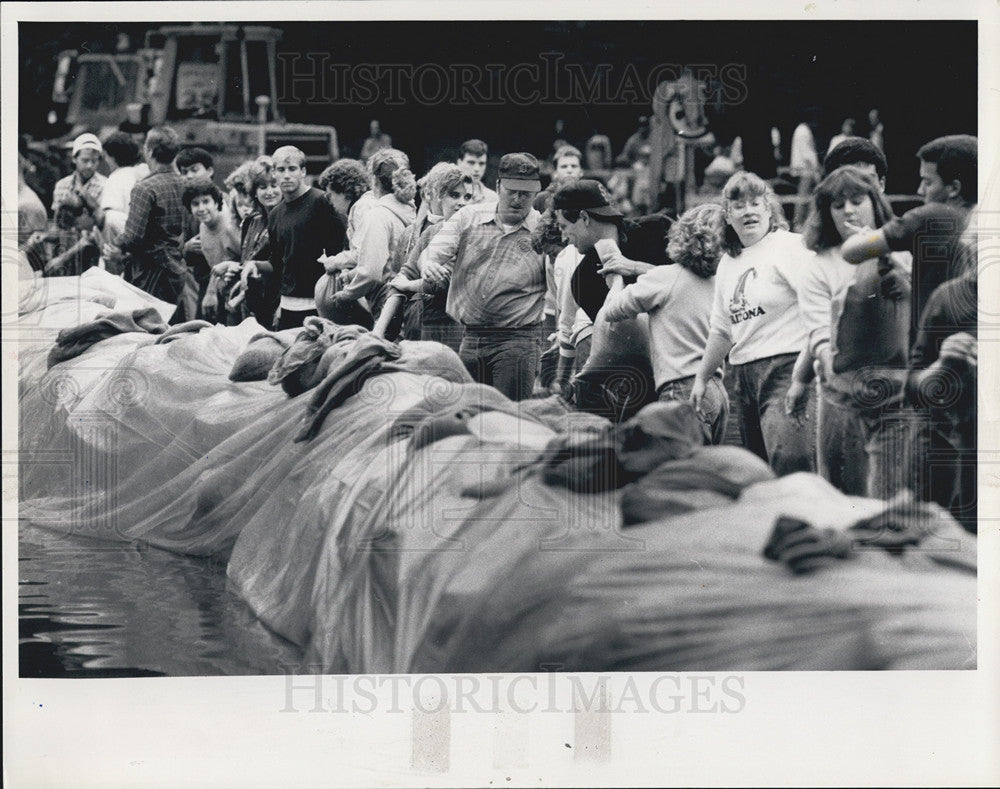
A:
[425,523]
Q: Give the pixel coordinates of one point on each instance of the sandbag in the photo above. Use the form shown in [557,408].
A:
[617,379]
[872,319]
[260,355]
[347,313]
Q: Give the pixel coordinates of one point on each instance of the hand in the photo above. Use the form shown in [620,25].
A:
[111,253]
[402,284]
[796,399]
[619,264]
[193,245]
[88,202]
[54,266]
[342,261]
[210,306]
[697,394]
[328,263]
[227,269]
[249,271]
[853,229]
[960,346]
[560,388]
[435,272]
[894,284]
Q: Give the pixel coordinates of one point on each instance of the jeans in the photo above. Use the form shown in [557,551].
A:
[787,443]
[714,406]
[506,359]
[864,452]
[449,334]
[946,462]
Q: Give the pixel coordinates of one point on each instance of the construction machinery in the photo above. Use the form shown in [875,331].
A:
[215,84]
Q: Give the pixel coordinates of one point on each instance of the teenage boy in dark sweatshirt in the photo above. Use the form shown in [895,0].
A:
[302,227]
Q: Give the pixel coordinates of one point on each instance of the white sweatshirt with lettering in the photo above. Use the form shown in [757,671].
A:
[756,305]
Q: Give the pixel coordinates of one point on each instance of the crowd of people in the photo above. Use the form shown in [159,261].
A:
[848,349]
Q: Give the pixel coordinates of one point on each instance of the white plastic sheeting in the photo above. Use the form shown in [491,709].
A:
[366,553]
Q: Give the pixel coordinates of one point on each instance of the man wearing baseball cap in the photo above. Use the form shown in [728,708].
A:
[619,358]
[84,186]
[497,289]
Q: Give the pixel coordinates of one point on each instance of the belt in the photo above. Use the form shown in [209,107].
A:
[496,329]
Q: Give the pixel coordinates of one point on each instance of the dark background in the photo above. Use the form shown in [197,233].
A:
[922,76]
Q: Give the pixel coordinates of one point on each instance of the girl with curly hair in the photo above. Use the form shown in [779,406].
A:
[445,190]
[376,238]
[678,299]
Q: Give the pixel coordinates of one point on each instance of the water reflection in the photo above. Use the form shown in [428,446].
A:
[94,608]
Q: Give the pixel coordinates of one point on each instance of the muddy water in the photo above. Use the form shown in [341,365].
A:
[101,609]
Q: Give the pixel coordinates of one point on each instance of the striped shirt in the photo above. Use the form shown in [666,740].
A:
[497,279]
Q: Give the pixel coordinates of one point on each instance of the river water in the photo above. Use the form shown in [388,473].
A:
[90,608]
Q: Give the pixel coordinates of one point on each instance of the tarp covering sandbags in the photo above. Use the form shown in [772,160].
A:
[391,520]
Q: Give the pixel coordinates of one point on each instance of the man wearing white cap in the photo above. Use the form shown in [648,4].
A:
[84,186]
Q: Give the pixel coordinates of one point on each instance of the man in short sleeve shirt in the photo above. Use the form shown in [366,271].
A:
[497,289]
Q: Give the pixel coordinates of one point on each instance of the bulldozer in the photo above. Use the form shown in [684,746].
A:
[215,84]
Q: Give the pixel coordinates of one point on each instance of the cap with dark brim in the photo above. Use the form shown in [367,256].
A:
[584,195]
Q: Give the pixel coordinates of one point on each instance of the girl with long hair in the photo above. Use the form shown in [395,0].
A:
[862,431]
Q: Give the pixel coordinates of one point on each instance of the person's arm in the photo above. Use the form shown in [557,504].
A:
[719,341]
[139,210]
[437,261]
[865,246]
[408,280]
[277,250]
[566,311]
[643,295]
[614,262]
[935,386]
[716,348]
[815,305]
[798,391]
[59,261]
[899,233]
[372,252]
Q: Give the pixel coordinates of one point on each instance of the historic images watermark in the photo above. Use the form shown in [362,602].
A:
[525,694]
[313,78]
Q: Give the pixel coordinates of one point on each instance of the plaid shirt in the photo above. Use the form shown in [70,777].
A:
[497,279]
[94,188]
[152,235]
[156,220]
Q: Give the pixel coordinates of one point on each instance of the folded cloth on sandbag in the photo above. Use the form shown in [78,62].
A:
[345,378]
[599,456]
[181,330]
[369,356]
[713,476]
[70,343]
[620,454]
[299,368]
[903,524]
